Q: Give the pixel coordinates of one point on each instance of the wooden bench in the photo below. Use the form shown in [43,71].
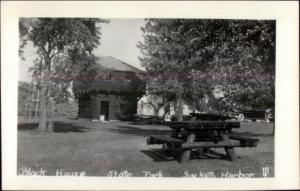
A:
[180,146]
[245,141]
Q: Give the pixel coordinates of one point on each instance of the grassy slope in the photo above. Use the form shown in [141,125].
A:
[98,148]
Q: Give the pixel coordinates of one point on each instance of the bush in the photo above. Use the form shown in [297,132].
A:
[125,117]
[69,109]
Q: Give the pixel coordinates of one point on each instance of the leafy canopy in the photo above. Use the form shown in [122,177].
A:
[63,47]
[190,58]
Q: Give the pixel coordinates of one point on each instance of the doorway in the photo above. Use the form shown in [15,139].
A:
[104,109]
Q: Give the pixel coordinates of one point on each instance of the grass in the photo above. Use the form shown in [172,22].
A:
[98,148]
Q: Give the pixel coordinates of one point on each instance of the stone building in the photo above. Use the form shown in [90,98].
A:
[116,91]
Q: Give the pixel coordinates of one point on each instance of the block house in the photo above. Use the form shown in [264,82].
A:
[116,91]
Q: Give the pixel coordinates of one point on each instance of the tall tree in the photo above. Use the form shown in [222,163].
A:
[164,59]
[190,58]
[55,39]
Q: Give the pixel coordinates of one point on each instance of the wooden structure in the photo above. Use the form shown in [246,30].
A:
[202,135]
[33,106]
[103,96]
[210,117]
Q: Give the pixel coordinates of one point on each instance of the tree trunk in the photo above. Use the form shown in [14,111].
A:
[43,112]
[156,112]
[180,110]
[44,97]
[166,110]
[50,126]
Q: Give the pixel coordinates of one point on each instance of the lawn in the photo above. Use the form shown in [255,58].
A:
[119,148]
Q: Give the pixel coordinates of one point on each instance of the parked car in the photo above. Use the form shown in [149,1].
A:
[125,117]
[256,114]
[270,114]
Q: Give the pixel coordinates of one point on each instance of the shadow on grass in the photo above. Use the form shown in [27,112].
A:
[59,127]
[27,126]
[131,130]
[252,134]
[73,118]
[211,154]
[158,155]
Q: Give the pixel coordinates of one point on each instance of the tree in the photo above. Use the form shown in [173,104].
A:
[156,102]
[163,58]
[189,58]
[131,94]
[243,62]
[56,39]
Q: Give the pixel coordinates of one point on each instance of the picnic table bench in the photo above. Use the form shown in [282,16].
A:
[201,135]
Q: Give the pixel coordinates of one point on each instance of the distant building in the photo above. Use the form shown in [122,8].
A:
[115,91]
[144,108]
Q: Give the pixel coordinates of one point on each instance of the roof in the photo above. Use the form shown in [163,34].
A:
[114,85]
[110,62]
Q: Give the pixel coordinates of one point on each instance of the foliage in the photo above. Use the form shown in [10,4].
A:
[156,102]
[58,42]
[67,109]
[23,93]
[189,58]
[131,95]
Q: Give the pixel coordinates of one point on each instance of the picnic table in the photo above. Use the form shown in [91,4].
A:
[210,116]
[203,136]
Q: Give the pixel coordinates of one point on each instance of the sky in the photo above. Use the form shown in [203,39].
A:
[119,39]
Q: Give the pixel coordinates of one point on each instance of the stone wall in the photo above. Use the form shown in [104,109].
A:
[89,106]
[114,105]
